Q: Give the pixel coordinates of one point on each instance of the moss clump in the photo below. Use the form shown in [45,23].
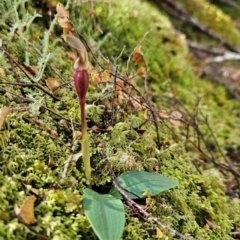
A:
[213,18]
[40,127]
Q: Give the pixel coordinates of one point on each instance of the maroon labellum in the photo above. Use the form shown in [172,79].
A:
[81,82]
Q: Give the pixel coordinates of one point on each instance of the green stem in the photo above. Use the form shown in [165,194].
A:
[85,143]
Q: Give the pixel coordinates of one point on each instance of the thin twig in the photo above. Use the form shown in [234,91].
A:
[69,160]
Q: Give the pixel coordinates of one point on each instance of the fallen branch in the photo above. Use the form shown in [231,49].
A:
[204,48]
[225,57]
[176,11]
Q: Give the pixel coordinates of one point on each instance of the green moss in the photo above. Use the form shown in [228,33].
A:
[214,18]
[25,146]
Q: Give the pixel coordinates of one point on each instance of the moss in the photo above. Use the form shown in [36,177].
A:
[25,147]
[213,18]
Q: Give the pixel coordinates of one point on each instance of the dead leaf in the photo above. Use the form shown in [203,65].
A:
[146,114]
[95,76]
[141,71]
[211,224]
[26,212]
[63,18]
[175,115]
[64,123]
[51,163]
[42,237]
[105,76]
[120,97]
[136,102]
[175,122]
[52,83]
[159,233]
[51,3]
[31,71]
[163,114]
[2,72]
[3,114]
[119,85]
[137,56]
[35,191]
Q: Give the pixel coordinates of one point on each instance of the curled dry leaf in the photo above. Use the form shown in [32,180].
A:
[3,114]
[42,237]
[211,224]
[52,84]
[146,114]
[175,115]
[137,56]
[119,85]
[63,18]
[31,71]
[64,123]
[136,103]
[163,114]
[25,213]
[141,71]
[105,76]
[175,122]
[95,76]
[51,163]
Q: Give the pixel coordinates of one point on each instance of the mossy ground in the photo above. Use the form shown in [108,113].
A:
[25,147]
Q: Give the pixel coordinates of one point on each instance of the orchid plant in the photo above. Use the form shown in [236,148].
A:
[81,80]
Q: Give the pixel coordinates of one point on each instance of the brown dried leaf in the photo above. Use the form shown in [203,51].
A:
[64,123]
[141,71]
[95,76]
[51,163]
[211,224]
[2,72]
[61,11]
[3,114]
[26,212]
[137,56]
[52,84]
[63,18]
[159,233]
[105,76]
[120,97]
[175,115]
[135,101]
[119,85]
[146,116]
[163,114]
[42,237]
[175,122]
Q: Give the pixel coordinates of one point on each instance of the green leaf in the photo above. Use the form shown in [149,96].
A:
[105,214]
[139,182]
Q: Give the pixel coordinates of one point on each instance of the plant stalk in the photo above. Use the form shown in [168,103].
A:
[85,143]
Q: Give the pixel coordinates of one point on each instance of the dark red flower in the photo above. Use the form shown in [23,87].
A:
[81,82]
